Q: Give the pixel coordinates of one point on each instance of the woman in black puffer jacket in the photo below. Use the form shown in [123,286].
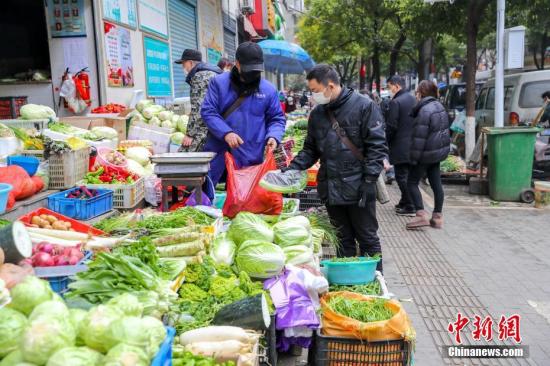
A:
[430,145]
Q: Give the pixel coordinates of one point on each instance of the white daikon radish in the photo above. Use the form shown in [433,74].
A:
[214,334]
[224,350]
[61,234]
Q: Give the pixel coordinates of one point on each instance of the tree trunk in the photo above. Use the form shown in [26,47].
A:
[376,67]
[420,65]
[395,53]
[426,57]
[536,57]
[543,50]
[370,74]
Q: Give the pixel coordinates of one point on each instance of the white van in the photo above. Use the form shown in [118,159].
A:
[522,98]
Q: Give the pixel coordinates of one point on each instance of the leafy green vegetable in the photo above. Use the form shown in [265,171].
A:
[13,358]
[12,326]
[30,293]
[298,254]
[355,259]
[289,206]
[319,220]
[44,337]
[192,292]
[96,326]
[260,259]
[76,316]
[182,358]
[200,274]
[223,249]
[292,231]
[4,222]
[75,356]
[364,311]
[128,304]
[124,354]
[146,251]
[248,226]
[134,331]
[451,164]
[372,288]
[177,219]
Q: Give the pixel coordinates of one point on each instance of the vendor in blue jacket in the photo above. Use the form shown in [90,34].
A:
[242,113]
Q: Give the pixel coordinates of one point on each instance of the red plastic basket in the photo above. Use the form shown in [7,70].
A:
[77,225]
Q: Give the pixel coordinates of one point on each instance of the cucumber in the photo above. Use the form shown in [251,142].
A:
[249,313]
[15,242]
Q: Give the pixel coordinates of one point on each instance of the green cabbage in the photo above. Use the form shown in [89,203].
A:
[142,104]
[152,111]
[248,226]
[30,293]
[76,316]
[96,325]
[292,231]
[166,124]
[105,132]
[139,154]
[155,121]
[128,304]
[260,259]
[298,254]
[75,356]
[12,326]
[181,125]
[14,358]
[165,115]
[35,111]
[156,330]
[50,309]
[135,331]
[291,181]
[126,355]
[177,138]
[223,250]
[44,337]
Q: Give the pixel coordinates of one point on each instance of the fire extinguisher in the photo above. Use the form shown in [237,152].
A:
[82,82]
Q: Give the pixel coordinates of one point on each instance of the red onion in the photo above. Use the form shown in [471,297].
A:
[42,259]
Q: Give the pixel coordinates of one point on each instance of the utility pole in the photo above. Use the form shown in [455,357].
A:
[499,70]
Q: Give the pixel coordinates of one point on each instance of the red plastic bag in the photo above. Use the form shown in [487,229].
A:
[23,185]
[245,194]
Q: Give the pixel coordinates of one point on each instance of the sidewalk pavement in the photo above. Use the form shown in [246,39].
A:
[487,260]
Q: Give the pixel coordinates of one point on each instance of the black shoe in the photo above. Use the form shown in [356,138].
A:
[399,205]
[389,180]
[406,211]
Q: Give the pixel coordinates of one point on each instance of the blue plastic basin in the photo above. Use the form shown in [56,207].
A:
[29,163]
[4,192]
[350,273]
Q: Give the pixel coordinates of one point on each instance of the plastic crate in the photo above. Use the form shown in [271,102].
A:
[124,195]
[59,277]
[29,163]
[340,351]
[164,354]
[10,106]
[37,124]
[76,225]
[308,199]
[81,209]
[68,168]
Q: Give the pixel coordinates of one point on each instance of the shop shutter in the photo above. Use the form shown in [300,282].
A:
[183,34]
[229,36]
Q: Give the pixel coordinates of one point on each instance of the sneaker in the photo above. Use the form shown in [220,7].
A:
[399,205]
[405,211]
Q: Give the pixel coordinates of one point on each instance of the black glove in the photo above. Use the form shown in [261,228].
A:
[367,192]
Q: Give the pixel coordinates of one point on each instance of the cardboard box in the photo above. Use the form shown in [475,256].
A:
[118,123]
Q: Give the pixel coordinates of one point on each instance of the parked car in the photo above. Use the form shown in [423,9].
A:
[522,98]
[455,98]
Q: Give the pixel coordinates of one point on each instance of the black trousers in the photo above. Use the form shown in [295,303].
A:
[401,176]
[416,173]
[356,225]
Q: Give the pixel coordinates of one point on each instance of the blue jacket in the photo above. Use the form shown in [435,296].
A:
[257,119]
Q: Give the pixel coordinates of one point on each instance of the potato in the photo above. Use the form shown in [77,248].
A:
[43,223]
[58,225]
[44,217]
[51,219]
[68,224]
[36,220]
[35,225]
[47,227]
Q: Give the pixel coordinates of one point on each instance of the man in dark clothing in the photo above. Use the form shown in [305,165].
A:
[198,77]
[345,184]
[398,134]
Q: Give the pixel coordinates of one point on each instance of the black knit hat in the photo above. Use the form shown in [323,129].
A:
[189,55]
[250,57]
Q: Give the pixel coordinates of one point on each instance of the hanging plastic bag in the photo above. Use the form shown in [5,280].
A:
[291,181]
[244,192]
[397,327]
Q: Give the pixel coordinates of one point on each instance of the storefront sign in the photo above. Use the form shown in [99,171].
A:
[66,18]
[152,17]
[121,11]
[210,13]
[157,67]
[120,71]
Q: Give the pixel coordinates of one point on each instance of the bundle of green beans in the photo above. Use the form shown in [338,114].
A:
[364,311]
[371,288]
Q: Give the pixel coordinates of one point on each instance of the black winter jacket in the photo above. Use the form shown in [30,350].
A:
[341,174]
[399,127]
[431,139]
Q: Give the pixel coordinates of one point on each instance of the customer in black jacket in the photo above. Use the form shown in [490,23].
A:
[430,144]
[398,134]
[346,184]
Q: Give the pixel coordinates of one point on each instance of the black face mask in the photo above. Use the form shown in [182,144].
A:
[250,77]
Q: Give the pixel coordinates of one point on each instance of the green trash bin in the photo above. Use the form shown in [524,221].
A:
[511,151]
